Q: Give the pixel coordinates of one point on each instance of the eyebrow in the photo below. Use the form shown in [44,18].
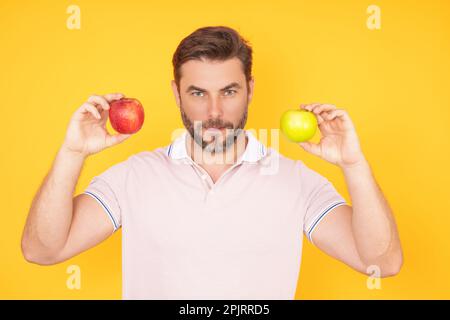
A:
[231,85]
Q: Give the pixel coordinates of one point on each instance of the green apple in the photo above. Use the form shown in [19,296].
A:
[298,125]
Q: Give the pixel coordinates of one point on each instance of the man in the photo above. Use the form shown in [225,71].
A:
[200,217]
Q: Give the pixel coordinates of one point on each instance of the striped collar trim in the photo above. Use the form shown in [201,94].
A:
[254,151]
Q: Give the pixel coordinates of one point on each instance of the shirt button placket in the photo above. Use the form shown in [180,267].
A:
[210,192]
[206,184]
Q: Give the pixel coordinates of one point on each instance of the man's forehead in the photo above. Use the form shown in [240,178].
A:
[212,75]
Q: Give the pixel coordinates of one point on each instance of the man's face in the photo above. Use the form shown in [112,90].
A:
[213,98]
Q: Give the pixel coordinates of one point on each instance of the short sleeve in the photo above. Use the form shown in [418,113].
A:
[319,198]
[108,189]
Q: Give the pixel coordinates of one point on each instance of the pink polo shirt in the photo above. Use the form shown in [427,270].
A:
[185,237]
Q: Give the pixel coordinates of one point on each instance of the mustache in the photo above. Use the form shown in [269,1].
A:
[217,123]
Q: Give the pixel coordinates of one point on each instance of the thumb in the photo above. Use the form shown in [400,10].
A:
[311,148]
[116,139]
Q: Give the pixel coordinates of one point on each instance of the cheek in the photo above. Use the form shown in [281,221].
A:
[194,108]
[197,112]
[233,102]
[234,108]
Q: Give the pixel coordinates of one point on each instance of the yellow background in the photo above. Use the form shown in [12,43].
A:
[393,82]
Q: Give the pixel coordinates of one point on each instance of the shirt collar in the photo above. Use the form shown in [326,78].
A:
[254,150]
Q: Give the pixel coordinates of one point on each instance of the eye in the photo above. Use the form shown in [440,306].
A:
[232,92]
[194,93]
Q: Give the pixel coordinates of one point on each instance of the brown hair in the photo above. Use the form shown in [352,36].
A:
[213,43]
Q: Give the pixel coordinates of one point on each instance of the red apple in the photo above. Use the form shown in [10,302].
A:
[126,115]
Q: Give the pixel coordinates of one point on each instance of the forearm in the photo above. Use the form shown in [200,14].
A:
[50,215]
[373,224]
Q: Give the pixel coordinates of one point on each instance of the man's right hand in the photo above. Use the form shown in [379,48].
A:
[86,133]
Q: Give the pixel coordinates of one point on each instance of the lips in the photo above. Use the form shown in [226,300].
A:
[217,128]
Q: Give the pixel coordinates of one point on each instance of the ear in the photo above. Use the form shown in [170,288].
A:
[251,85]
[175,92]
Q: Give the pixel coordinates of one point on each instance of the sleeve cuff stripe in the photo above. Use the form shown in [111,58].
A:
[104,207]
[169,149]
[314,225]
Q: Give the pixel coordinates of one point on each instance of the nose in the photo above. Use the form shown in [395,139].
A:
[215,108]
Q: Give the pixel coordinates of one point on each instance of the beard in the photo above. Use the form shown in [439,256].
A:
[212,144]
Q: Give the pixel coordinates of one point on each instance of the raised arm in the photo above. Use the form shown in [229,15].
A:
[59,225]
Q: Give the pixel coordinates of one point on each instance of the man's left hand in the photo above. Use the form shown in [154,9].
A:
[339,143]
